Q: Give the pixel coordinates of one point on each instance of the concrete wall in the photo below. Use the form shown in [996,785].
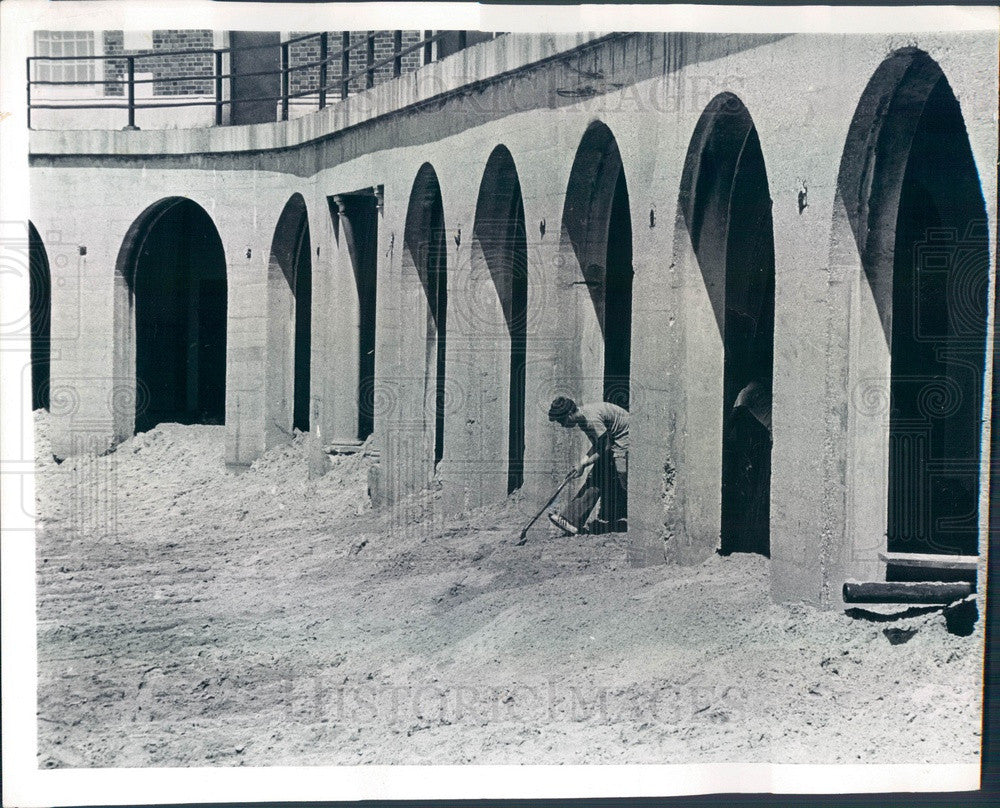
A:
[650,90]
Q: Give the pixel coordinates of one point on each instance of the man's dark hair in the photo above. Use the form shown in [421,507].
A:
[561,408]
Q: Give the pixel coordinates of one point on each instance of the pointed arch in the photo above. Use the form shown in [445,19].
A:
[499,243]
[425,255]
[289,317]
[909,195]
[725,205]
[597,225]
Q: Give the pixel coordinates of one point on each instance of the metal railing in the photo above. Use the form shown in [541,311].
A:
[218,77]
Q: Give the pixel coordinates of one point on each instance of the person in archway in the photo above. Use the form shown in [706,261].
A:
[606,426]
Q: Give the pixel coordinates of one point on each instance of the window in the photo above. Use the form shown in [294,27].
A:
[65,43]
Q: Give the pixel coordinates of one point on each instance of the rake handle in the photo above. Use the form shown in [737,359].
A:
[552,499]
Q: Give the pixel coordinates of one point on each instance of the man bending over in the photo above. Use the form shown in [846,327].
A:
[606,425]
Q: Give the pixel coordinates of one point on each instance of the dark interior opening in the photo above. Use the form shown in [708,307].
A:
[179,294]
[425,245]
[517,325]
[361,211]
[749,343]
[618,299]
[597,223]
[940,276]
[302,290]
[437,298]
[500,238]
[727,209]
[40,309]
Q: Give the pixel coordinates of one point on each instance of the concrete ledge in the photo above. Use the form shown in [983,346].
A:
[482,62]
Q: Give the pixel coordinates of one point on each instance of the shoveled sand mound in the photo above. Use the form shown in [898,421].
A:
[192,616]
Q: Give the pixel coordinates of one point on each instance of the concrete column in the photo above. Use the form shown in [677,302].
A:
[650,165]
[321,381]
[403,430]
[279,372]
[85,393]
[474,467]
[553,365]
[343,318]
[247,253]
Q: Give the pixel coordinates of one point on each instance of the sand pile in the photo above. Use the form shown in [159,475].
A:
[192,616]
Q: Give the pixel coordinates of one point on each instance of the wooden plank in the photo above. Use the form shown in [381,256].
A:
[934,561]
[905,591]
[344,447]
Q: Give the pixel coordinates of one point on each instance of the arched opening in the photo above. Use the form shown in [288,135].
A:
[356,221]
[289,287]
[426,252]
[174,270]
[726,207]
[500,242]
[597,227]
[597,224]
[912,196]
[40,309]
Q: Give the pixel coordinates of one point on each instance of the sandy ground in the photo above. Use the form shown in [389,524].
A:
[191,616]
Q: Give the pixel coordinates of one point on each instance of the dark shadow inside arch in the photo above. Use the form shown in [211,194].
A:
[597,222]
[499,235]
[40,310]
[302,289]
[356,216]
[292,252]
[424,241]
[912,193]
[726,206]
[177,279]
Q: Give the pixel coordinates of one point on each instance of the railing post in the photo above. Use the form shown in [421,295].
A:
[284,81]
[131,93]
[323,47]
[428,53]
[345,63]
[218,88]
[397,46]
[28,69]
[369,61]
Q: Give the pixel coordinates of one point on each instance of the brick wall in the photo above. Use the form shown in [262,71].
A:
[307,51]
[300,53]
[165,67]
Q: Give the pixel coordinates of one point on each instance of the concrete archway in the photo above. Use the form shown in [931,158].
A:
[726,209]
[40,310]
[425,255]
[170,319]
[597,226]
[910,198]
[289,318]
[499,245]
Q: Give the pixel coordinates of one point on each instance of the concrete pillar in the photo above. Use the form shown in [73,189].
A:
[322,349]
[649,160]
[280,307]
[85,392]
[404,427]
[247,254]
[474,467]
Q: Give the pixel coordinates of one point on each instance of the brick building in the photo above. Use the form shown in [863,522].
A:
[180,65]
